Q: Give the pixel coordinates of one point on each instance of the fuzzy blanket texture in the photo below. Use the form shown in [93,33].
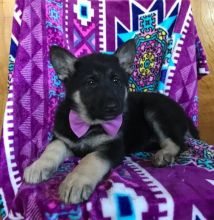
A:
[169,59]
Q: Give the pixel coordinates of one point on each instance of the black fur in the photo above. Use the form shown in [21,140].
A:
[101,81]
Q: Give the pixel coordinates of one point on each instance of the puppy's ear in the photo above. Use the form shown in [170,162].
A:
[62,61]
[126,54]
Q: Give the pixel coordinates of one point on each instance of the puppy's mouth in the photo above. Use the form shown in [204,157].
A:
[109,117]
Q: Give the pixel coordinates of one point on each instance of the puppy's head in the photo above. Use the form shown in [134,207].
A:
[96,85]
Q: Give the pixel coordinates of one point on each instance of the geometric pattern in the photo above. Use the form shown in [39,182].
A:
[211,181]
[196,214]
[76,37]
[165,19]
[200,154]
[31,95]
[127,204]
[54,24]
[153,34]
[166,207]
[84,39]
[185,74]
[84,11]
[27,107]
[151,46]
[14,42]
[3,207]
[155,66]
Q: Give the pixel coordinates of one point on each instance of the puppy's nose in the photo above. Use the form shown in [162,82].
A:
[111,107]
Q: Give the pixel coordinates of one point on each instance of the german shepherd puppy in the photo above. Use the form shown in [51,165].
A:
[101,122]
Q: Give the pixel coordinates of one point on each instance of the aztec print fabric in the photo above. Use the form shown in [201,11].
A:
[169,59]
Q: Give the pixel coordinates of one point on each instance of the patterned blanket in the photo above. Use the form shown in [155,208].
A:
[169,59]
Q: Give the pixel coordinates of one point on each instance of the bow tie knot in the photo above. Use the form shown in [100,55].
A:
[80,127]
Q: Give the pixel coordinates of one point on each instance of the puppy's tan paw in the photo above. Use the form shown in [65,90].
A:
[37,172]
[163,158]
[76,188]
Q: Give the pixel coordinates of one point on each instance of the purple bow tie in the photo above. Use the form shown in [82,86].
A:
[80,127]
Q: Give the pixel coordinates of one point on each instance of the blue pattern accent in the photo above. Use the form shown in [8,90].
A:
[83,10]
[59,4]
[50,136]
[49,24]
[72,214]
[55,80]
[135,13]
[2,211]
[11,63]
[52,93]
[159,6]
[125,206]
[108,52]
[167,23]
[174,13]
[90,41]
[126,36]
[77,38]
[206,163]
[54,14]
[143,155]
[124,209]
[147,22]
[13,48]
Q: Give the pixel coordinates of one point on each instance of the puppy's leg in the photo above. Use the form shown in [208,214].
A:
[167,154]
[51,158]
[169,148]
[80,183]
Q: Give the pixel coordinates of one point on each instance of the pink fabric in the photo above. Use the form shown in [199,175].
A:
[80,127]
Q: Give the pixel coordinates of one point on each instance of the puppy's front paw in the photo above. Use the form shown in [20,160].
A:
[76,188]
[163,158]
[37,172]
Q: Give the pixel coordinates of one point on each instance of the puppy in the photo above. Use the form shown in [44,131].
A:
[101,122]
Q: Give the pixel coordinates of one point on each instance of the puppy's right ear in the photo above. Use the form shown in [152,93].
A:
[62,61]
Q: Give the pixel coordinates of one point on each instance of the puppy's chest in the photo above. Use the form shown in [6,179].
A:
[91,141]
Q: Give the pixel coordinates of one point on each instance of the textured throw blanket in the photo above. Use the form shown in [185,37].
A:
[169,59]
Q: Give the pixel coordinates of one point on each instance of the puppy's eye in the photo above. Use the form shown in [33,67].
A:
[91,83]
[116,80]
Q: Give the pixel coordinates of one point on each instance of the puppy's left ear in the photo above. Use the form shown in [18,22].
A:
[126,55]
[63,62]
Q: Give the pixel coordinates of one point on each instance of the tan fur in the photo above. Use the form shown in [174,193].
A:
[80,183]
[96,141]
[83,111]
[51,158]
[167,154]
[93,141]
[169,149]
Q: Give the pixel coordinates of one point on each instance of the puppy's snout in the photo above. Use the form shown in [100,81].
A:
[111,107]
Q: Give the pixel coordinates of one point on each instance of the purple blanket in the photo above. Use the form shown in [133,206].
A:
[169,59]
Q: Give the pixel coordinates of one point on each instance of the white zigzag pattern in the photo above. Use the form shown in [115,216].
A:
[66,24]
[196,214]
[8,135]
[102,25]
[8,124]
[156,187]
[17,15]
[176,55]
[15,216]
